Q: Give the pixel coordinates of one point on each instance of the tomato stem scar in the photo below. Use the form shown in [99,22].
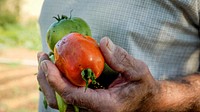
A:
[87,75]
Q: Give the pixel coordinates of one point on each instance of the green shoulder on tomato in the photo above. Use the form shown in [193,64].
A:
[64,26]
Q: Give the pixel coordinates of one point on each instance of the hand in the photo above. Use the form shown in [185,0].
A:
[134,86]
[47,90]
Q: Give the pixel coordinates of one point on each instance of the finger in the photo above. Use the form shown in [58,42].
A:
[69,92]
[54,76]
[44,85]
[39,55]
[119,60]
[42,56]
[48,92]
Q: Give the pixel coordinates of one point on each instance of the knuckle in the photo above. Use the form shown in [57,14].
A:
[71,97]
[39,54]
[145,72]
[142,67]
[66,95]
[43,57]
[51,80]
[121,59]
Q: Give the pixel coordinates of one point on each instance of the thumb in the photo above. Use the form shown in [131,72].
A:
[119,60]
[114,55]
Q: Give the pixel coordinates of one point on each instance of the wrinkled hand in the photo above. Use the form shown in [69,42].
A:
[129,92]
[47,90]
[44,85]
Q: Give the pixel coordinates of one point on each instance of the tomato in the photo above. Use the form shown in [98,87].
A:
[64,26]
[56,32]
[79,58]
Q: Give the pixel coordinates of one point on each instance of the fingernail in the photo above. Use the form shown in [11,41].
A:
[110,45]
[44,67]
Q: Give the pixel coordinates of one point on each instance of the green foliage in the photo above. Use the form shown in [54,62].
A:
[12,32]
[6,17]
[10,10]
[18,35]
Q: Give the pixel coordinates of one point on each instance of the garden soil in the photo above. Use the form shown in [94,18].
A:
[18,80]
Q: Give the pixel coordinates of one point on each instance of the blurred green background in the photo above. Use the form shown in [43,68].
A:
[18,28]
[19,44]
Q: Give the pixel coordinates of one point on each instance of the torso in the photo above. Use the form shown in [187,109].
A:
[157,32]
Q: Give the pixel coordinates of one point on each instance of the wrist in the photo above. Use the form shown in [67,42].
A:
[175,96]
[149,102]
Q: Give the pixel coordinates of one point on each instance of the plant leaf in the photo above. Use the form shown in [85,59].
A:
[62,106]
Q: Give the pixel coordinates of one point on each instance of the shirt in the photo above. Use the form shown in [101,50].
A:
[162,33]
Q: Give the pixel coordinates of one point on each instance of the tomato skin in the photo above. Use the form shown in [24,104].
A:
[64,26]
[76,52]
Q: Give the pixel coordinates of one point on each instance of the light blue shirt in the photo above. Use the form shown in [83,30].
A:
[162,33]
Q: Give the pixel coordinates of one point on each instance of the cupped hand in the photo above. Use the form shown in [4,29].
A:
[45,87]
[129,92]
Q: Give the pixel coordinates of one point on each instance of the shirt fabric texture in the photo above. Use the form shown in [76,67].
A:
[162,33]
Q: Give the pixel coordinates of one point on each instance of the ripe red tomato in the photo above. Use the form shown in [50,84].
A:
[76,55]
